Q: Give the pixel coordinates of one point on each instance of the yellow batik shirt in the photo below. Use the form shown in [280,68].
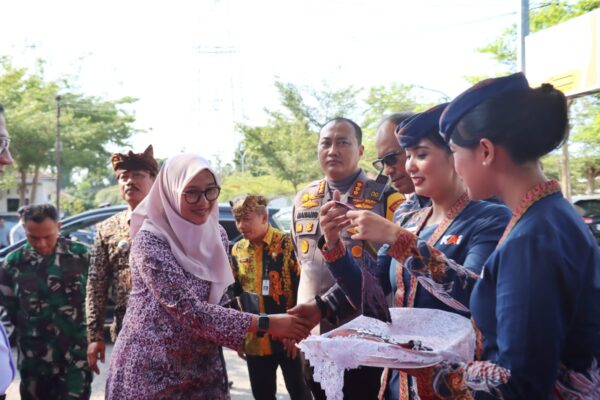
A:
[277,290]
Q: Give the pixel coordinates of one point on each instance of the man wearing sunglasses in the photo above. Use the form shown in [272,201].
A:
[391,162]
[109,270]
[339,151]
[7,364]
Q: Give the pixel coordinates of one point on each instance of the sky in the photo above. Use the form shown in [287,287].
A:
[199,67]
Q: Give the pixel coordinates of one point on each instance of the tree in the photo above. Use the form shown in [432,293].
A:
[380,102]
[286,146]
[88,124]
[585,137]
[504,48]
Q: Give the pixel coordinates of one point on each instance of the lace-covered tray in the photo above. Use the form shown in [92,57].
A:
[416,338]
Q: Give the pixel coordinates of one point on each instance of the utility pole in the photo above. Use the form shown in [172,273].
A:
[523,30]
[57,155]
[243,157]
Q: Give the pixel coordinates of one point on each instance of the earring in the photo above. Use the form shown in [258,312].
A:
[484,163]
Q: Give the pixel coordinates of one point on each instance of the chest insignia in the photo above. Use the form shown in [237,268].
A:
[310,204]
[451,239]
[309,227]
[321,190]
[304,246]
[356,251]
[352,231]
[357,189]
[364,204]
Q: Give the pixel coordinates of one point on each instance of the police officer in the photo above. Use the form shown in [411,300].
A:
[339,151]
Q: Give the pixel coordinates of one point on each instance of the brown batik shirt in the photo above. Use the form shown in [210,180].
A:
[109,276]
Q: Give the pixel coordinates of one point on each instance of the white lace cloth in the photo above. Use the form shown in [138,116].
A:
[448,336]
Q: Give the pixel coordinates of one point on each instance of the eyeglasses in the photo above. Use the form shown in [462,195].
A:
[4,144]
[194,196]
[389,159]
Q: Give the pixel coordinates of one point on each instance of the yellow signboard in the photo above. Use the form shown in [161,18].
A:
[566,55]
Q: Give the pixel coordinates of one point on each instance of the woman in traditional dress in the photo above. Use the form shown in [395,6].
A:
[536,302]
[169,347]
[465,231]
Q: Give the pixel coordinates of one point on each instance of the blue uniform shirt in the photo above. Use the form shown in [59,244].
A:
[537,303]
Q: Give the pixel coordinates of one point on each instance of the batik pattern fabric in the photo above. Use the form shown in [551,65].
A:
[170,344]
[536,304]
[109,276]
[276,257]
[44,297]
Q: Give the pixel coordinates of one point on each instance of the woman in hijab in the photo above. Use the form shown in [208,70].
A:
[175,325]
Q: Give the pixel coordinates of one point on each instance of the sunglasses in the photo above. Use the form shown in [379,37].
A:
[389,159]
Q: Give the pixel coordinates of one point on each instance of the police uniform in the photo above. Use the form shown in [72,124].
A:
[109,269]
[315,279]
[44,297]
[364,194]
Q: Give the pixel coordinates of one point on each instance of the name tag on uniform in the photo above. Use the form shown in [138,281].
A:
[265,287]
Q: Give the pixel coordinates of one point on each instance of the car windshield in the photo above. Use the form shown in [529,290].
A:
[590,207]
[284,218]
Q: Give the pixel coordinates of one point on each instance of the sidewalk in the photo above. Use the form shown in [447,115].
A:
[236,370]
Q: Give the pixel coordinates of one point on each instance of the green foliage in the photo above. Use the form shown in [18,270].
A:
[315,107]
[110,195]
[87,124]
[504,48]
[72,205]
[382,101]
[267,185]
[584,142]
[286,146]
[7,181]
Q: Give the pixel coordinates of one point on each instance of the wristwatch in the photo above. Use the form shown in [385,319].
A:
[263,324]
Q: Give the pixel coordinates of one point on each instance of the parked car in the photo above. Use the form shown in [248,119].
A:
[589,208]
[82,227]
[283,217]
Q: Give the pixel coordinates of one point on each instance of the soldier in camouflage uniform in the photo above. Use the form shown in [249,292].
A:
[109,271]
[42,286]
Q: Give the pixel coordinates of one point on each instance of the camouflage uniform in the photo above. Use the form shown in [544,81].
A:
[44,297]
[109,276]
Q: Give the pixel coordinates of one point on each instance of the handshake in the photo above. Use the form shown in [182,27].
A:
[292,327]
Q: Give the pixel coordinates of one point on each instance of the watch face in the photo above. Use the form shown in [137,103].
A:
[263,323]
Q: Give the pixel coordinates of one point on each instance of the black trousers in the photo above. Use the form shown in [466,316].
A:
[263,376]
[362,383]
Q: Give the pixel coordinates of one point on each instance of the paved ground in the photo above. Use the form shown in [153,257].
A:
[236,369]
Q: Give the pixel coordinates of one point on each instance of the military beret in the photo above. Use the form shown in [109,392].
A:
[476,95]
[412,130]
[135,161]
